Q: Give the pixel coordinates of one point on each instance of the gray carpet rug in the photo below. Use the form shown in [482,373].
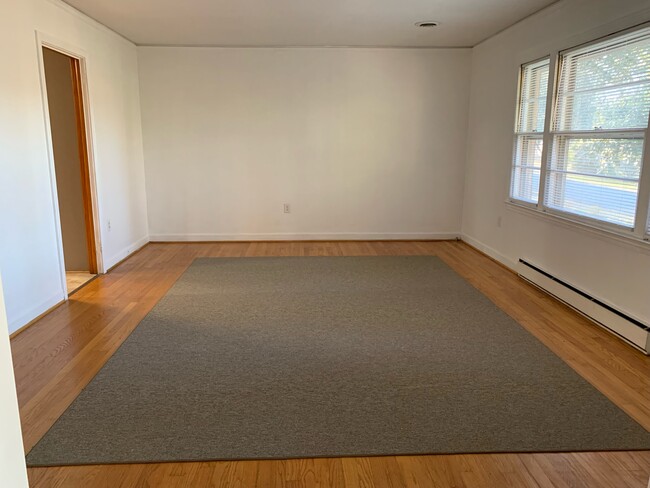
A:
[303,357]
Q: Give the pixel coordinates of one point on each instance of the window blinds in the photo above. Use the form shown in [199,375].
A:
[601,113]
[529,131]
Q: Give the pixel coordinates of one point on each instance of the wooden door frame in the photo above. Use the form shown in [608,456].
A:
[79,67]
[82,143]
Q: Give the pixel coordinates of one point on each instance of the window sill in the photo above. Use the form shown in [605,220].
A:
[599,232]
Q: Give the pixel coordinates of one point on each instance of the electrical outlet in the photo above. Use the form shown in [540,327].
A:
[109,226]
[287,208]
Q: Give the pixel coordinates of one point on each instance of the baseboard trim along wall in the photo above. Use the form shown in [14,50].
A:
[117,258]
[621,324]
[490,252]
[630,329]
[27,318]
[337,236]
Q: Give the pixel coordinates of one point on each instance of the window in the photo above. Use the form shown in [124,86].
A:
[592,168]
[529,131]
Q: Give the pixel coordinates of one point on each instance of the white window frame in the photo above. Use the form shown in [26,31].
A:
[641,229]
[518,134]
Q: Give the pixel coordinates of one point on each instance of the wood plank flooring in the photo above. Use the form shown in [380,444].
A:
[57,356]
[76,279]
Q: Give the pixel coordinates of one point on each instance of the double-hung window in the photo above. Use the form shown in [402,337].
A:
[529,131]
[592,169]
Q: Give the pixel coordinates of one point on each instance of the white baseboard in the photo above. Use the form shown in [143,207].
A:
[24,318]
[337,236]
[600,315]
[493,253]
[630,328]
[27,316]
[116,258]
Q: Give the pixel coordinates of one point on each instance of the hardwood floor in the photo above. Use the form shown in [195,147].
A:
[76,279]
[57,356]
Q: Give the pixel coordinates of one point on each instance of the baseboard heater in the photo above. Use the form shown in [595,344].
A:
[627,328]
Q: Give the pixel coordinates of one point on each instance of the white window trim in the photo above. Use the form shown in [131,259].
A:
[625,238]
[548,120]
[643,205]
[639,235]
[517,135]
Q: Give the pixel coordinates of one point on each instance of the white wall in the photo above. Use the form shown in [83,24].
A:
[362,143]
[12,460]
[28,243]
[365,143]
[617,272]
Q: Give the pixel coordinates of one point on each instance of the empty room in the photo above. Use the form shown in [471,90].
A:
[325,244]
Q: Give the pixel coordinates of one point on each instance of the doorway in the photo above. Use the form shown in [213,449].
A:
[72,172]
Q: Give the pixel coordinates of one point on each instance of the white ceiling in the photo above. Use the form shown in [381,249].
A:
[307,22]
